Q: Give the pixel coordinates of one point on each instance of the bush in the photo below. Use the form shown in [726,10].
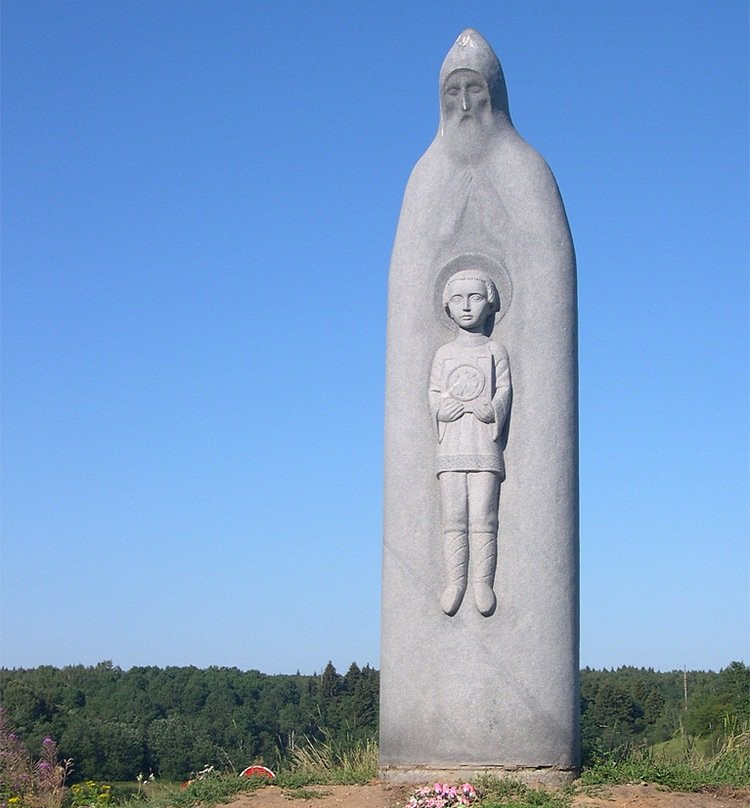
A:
[90,795]
[25,782]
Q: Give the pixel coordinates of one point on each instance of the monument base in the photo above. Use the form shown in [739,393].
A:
[541,776]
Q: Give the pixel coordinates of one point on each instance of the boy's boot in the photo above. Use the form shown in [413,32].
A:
[484,561]
[456,549]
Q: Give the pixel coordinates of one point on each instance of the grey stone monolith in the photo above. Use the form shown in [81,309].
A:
[479,657]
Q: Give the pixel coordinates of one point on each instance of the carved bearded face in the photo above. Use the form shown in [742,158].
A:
[466,100]
[467,304]
[467,113]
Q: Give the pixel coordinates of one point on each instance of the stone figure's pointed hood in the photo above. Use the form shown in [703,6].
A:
[471,51]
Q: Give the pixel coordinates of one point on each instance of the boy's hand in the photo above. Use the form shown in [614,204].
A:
[450,410]
[484,412]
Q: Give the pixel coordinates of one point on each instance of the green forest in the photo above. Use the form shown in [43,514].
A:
[116,724]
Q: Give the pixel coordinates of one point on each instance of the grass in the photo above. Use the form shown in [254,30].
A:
[682,766]
[216,788]
[349,762]
[304,794]
[156,793]
[509,793]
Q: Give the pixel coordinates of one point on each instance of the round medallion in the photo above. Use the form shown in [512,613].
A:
[465,382]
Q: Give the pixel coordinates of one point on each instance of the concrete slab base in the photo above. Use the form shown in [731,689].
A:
[543,776]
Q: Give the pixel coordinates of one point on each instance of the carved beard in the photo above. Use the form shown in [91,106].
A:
[466,138]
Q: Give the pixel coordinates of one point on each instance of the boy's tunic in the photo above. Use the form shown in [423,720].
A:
[471,371]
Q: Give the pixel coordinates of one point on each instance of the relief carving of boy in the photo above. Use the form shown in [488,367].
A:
[470,394]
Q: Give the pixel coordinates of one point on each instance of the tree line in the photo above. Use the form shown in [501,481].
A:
[631,706]
[171,721]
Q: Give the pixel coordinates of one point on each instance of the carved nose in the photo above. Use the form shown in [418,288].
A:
[464,101]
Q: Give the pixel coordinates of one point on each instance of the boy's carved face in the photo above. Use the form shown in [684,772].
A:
[467,303]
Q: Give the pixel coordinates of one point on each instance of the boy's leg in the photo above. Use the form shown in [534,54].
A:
[484,494]
[454,501]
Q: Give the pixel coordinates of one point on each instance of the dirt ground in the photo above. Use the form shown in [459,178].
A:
[387,795]
[643,796]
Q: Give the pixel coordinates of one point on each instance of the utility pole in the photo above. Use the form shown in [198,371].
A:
[684,685]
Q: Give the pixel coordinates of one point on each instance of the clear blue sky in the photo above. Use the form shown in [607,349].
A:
[199,203]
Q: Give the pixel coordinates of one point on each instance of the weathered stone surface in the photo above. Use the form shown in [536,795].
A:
[469,687]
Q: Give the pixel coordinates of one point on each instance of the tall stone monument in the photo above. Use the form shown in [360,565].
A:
[479,663]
